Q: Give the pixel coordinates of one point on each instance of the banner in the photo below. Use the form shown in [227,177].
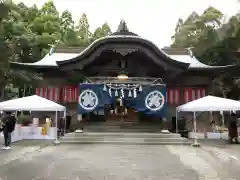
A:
[92,97]
[151,100]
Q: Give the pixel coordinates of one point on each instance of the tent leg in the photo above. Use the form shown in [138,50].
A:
[195,141]
[176,122]
[65,123]
[56,141]
[223,121]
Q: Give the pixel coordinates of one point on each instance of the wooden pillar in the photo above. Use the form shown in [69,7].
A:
[61,95]
[181,95]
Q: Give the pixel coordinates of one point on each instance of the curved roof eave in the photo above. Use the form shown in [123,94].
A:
[50,62]
[124,38]
[195,63]
[47,62]
[31,65]
[212,67]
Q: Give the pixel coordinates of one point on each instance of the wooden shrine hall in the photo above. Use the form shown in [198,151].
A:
[122,52]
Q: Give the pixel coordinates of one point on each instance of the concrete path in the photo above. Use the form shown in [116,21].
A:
[19,150]
[36,161]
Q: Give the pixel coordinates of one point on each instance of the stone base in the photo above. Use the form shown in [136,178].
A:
[165,131]
[79,131]
[196,144]
[56,142]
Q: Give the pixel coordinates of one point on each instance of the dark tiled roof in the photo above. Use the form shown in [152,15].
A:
[168,50]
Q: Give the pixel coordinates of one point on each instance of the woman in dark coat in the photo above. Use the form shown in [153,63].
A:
[233,129]
[8,126]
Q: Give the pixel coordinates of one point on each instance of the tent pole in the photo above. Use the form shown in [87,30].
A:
[176,121]
[223,121]
[56,141]
[65,122]
[195,142]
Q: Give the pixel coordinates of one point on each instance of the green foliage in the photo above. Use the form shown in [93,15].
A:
[213,42]
[26,34]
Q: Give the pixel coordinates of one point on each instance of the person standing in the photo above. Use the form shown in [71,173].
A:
[233,129]
[8,126]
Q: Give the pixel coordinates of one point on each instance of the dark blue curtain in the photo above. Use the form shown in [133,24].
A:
[151,100]
[92,98]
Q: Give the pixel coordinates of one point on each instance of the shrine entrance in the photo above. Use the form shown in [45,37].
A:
[120,112]
[108,102]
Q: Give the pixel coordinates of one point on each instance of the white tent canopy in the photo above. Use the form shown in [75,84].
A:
[31,103]
[210,103]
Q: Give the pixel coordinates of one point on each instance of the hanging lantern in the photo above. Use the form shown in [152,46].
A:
[111,111]
[104,87]
[129,93]
[126,111]
[110,92]
[120,102]
[134,93]
[116,92]
[79,117]
[122,93]
[140,88]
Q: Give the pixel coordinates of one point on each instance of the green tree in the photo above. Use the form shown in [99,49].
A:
[214,42]
[83,31]
[198,31]
[102,31]
[15,40]
[26,34]
[69,35]
[46,26]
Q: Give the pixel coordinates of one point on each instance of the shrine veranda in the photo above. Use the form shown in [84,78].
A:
[173,76]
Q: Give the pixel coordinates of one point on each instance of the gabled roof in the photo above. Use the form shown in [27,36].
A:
[180,58]
[56,59]
[66,54]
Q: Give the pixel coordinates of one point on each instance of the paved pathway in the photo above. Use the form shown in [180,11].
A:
[124,162]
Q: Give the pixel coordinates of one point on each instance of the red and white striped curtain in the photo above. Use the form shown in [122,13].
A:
[173,96]
[70,94]
[190,94]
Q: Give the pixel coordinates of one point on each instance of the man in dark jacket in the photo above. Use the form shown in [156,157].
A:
[8,126]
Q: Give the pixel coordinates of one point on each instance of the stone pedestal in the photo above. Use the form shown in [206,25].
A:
[79,131]
[164,126]
[165,131]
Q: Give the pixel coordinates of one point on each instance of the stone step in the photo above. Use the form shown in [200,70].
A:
[123,138]
[122,134]
[122,124]
[128,127]
[123,130]
[126,143]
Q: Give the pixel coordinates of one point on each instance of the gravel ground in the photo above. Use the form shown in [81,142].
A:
[124,162]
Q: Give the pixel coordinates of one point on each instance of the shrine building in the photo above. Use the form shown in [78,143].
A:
[122,59]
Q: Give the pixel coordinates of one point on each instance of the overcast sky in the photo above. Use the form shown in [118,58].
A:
[151,19]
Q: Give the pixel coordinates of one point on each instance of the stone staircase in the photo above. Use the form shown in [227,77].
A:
[124,133]
[123,127]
